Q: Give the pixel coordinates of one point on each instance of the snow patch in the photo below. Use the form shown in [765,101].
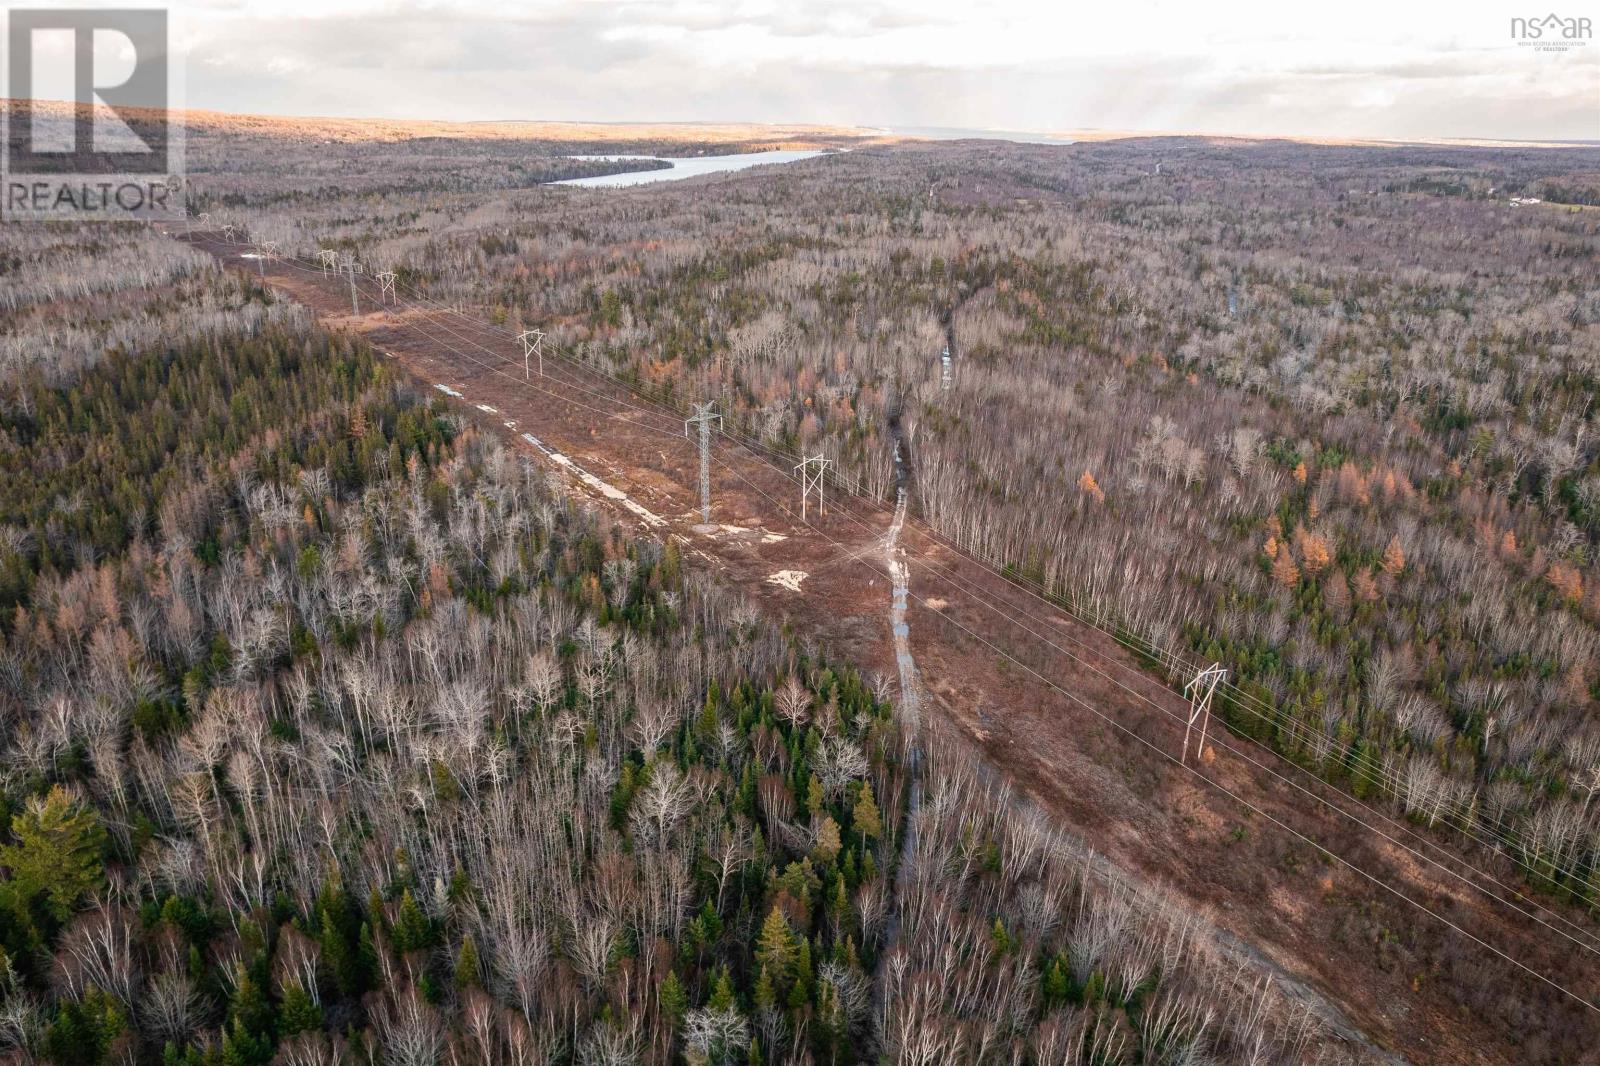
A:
[448,391]
[537,443]
[789,579]
[610,492]
[649,517]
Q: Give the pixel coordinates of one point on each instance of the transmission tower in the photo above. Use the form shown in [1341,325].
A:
[809,481]
[329,259]
[1199,691]
[532,345]
[227,232]
[704,415]
[348,265]
[386,285]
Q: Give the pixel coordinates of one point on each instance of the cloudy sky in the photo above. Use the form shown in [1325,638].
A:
[1397,68]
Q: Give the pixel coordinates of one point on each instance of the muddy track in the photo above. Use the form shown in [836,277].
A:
[1374,964]
[910,708]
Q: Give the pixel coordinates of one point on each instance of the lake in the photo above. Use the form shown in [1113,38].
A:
[690,167]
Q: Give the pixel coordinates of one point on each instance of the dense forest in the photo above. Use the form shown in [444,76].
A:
[1319,414]
[336,732]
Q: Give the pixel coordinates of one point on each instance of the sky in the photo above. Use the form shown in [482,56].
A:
[1358,68]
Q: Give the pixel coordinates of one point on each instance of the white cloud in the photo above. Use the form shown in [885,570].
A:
[1362,67]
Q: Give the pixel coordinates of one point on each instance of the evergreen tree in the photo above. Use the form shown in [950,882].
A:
[57,858]
[721,993]
[1056,986]
[241,1047]
[366,956]
[828,843]
[462,892]
[674,1001]
[340,956]
[467,966]
[249,1006]
[298,1013]
[413,929]
[866,817]
[1001,939]
[82,1032]
[775,947]
[804,977]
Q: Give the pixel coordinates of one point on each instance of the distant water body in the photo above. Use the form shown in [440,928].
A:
[695,166]
[689,167]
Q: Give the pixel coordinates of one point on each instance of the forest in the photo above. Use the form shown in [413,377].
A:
[1317,413]
[335,729]
[336,732]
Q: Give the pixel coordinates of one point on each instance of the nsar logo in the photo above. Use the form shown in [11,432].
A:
[1552,33]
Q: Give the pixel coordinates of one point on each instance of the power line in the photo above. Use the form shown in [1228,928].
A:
[810,480]
[704,415]
[761,450]
[1172,663]
[1242,699]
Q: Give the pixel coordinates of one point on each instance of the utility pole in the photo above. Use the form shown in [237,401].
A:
[329,259]
[532,341]
[1199,691]
[809,481]
[704,415]
[349,266]
[386,285]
